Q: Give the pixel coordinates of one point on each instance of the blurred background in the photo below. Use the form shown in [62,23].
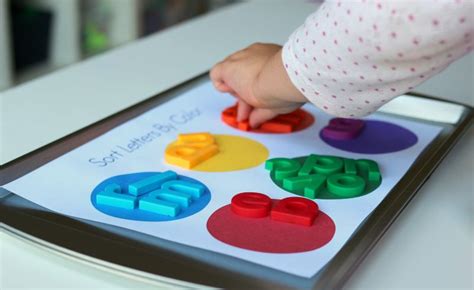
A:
[40,36]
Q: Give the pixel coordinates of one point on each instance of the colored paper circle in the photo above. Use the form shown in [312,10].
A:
[377,137]
[235,153]
[140,215]
[267,235]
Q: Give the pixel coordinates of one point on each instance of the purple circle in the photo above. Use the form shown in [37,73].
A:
[377,137]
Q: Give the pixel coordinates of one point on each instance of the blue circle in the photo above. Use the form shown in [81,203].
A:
[141,215]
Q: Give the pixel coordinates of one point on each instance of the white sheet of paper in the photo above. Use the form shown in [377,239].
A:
[64,185]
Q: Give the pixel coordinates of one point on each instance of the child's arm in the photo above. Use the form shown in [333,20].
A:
[349,58]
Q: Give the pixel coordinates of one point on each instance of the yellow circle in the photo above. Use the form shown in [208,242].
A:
[235,153]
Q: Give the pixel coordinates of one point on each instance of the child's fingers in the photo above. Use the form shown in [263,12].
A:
[217,76]
[259,116]
[216,73]
[218,81]
[224,88]
[243,111]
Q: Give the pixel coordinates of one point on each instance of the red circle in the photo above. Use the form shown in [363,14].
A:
[306,120]
[267,235]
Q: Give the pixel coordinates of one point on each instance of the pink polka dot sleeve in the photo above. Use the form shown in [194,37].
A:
[351,57]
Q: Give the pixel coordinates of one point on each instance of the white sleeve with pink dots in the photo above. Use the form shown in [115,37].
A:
[351,57]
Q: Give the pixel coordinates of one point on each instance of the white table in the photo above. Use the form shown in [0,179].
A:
[429,246]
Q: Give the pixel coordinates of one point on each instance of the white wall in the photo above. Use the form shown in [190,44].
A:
[124,27]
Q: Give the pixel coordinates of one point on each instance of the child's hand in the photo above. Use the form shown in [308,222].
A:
[256,77]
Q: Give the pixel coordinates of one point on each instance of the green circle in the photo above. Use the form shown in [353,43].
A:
[346,185]
[302,169]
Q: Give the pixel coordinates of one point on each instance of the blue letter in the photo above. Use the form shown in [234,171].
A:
[112,196]
[151,183]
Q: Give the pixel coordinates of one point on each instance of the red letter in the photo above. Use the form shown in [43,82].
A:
[229,115]
[295,210]
[251,204]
